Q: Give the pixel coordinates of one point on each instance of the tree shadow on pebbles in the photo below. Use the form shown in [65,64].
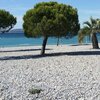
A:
[77,53]
[21,50]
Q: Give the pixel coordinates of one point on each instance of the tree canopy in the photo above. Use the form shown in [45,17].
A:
[49,19]
[7,21]
[90,29]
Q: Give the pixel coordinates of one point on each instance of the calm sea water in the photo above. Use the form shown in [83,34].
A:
[18,39]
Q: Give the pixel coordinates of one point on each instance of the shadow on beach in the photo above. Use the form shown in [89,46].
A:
[23,50]
[77,53]
[79,44]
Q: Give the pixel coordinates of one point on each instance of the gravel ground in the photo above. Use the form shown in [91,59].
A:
[64,73]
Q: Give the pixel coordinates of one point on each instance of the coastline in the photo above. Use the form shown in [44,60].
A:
[61,44]
[66,71]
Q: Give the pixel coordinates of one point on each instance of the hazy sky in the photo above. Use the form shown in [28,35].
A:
[86,8]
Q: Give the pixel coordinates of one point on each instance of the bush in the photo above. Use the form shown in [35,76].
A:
[34,91]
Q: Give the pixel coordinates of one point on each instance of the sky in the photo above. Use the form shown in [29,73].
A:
[86,8]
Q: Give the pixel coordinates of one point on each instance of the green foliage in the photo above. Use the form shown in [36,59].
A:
[7,21]
[91,27]
[85,31]
[34,91]
[51,19]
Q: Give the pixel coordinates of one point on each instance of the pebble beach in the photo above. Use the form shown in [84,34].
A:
[66,72]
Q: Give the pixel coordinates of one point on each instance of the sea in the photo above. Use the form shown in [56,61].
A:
[18,39]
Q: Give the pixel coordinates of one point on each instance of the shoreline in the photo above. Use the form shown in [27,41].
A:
[77,44]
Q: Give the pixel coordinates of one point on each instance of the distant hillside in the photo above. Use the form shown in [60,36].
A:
[16,31]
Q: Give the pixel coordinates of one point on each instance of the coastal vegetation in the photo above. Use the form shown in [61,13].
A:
[51,19]
[91,29]
[7,21]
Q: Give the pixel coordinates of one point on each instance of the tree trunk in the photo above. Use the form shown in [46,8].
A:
[58,41]
[95,41]
[44,45]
